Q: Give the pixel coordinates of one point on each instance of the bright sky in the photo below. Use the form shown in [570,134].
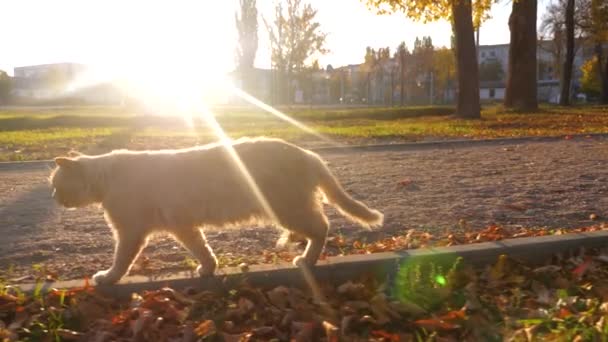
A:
[192,36]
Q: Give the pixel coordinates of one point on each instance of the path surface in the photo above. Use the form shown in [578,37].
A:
[553,184]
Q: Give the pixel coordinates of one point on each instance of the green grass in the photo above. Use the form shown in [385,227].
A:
[28,133]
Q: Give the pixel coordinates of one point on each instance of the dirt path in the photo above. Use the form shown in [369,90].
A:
[553,184]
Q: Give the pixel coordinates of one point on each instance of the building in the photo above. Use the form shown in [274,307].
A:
[61,82]
[549,63]
[44,81]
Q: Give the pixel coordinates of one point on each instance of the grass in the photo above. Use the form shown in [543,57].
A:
[30,133]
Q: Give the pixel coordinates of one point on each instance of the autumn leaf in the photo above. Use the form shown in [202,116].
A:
[386,335]
[453,315]
[436,324]
[205,329]
[564,313]
[582,268]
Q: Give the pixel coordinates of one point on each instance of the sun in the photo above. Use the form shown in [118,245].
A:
[163,53]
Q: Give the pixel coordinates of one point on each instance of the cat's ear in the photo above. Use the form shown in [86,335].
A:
[66,162]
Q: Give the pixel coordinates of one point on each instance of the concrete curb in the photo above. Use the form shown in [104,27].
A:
[460,143]
[337,270]
[413,146]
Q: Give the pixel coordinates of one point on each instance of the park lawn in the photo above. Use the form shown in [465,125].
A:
[30,134]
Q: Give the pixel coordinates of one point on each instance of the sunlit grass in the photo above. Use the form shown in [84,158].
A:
[45,136]
[31,134]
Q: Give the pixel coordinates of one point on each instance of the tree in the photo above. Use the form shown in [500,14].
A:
[491,71]
[466,58]
[597,29]
[443,70]
[383,58]
[369,67]
[295,36]
[421,67]
[555,24]
[5,87]
[590,24]
[247,29]
[566,82]
[464,15]
[402,55]
[590,79]
[521,91]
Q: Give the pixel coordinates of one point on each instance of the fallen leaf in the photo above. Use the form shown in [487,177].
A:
[205,329]
[436,324]
[331,331]
[582,268]
[386,335]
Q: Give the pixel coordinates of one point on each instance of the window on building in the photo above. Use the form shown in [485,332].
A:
[483,54]
[492,93]
[492,54]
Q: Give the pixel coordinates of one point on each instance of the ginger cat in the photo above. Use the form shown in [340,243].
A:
[182,191]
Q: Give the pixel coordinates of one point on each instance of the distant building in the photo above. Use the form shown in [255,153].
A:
[549,64]
[44,81]
[61,82]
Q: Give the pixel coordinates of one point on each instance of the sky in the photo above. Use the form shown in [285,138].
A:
[195,36]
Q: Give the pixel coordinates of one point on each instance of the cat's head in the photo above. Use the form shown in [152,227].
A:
[71,185]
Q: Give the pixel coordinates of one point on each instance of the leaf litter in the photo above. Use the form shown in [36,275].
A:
[566,300]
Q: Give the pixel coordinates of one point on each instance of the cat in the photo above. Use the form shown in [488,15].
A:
[181,191]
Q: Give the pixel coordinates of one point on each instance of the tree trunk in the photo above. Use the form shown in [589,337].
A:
[466,58]
[521,92]
[604,97]
[603,70]
[402,78]
[564,98]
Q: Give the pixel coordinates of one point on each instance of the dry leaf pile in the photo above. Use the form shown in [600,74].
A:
[566,300]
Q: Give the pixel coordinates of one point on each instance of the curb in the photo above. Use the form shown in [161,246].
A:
[460,143]
[336,270]
[413,146]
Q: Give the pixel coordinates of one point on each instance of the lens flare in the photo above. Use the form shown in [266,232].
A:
[208,117]
[315,289]
[260,104]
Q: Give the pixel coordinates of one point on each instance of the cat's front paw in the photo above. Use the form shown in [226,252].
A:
[105,278]
[301,260]
[207,270]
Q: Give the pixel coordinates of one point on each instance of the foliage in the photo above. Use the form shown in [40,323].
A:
[295,37]
[247,28]
[294,34]
[491,71]
[464,15]
[421,65]
[5,87]
[590,80]
[553,21]
[430,10]
[422,55]
[593,19]
[444,70]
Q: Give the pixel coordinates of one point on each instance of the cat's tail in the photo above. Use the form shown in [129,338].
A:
[349,207]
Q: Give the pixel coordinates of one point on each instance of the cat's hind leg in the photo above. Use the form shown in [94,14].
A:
[194,240]
[313,225]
